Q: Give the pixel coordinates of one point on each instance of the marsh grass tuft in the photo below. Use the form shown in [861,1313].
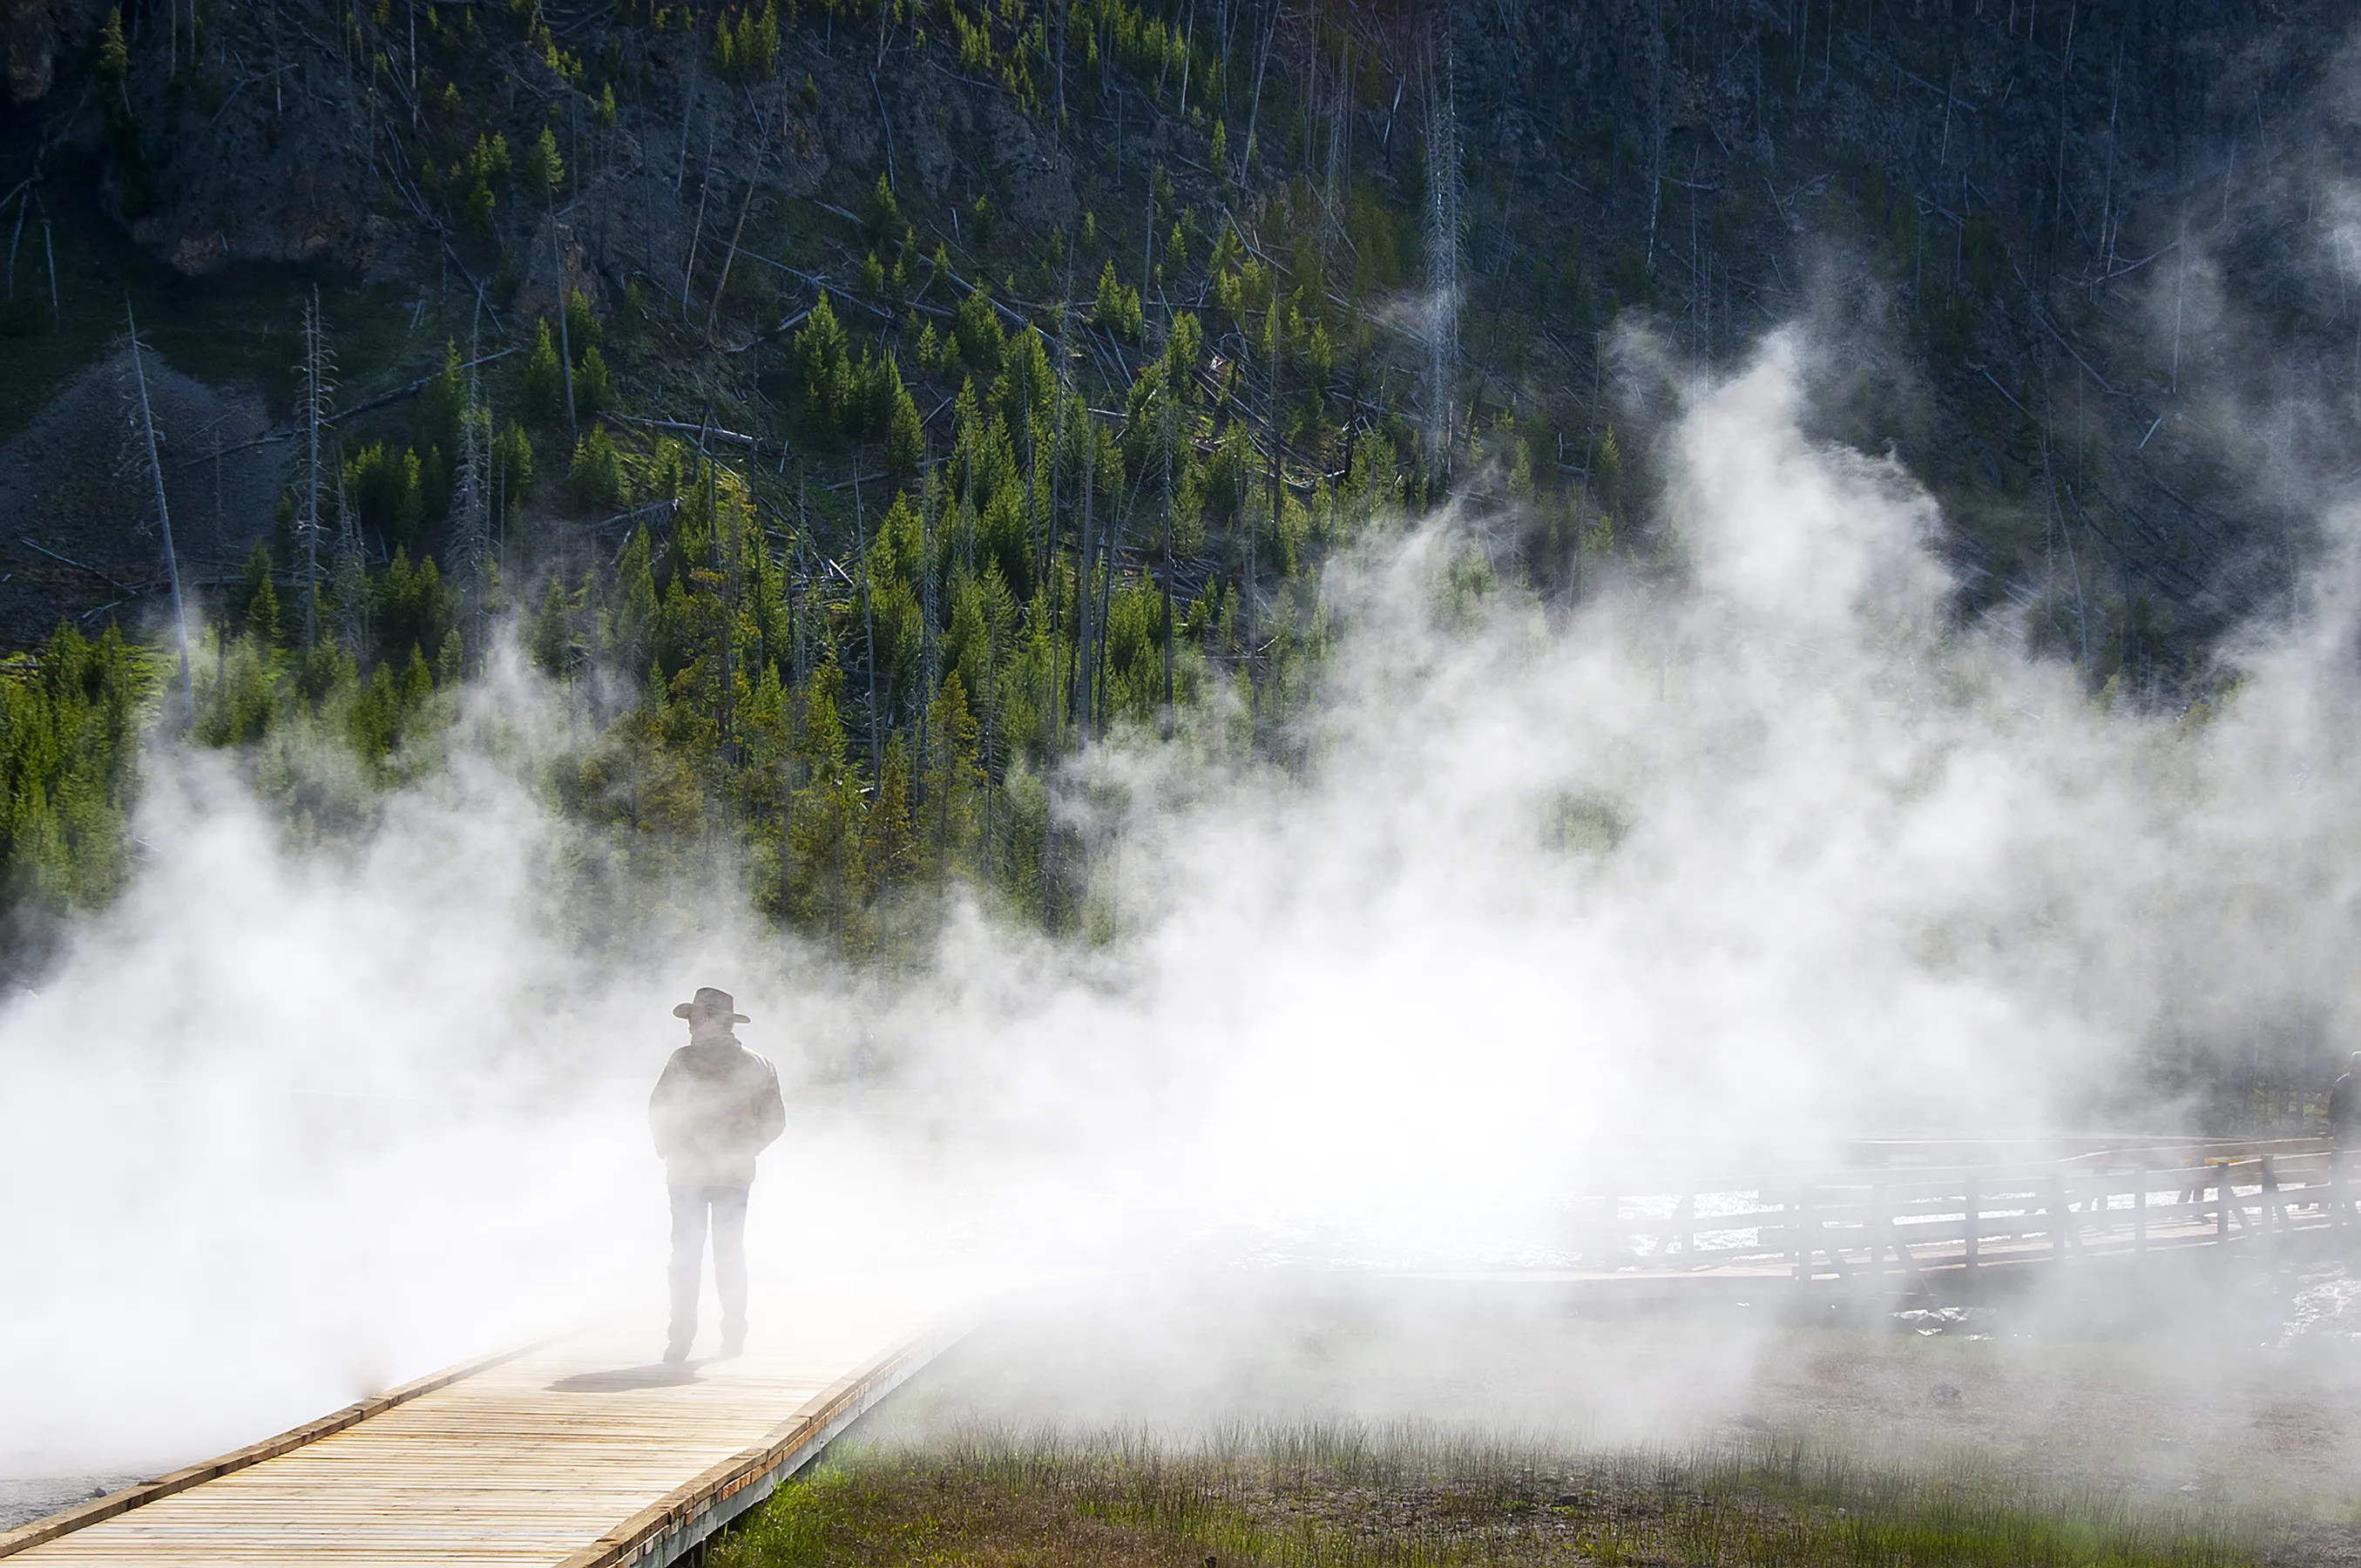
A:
[1337,1496]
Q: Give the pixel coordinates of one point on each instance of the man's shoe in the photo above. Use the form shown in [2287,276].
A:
[734,1344]
[675,1353]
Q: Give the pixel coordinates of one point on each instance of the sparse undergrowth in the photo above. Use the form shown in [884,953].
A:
[1330,1499]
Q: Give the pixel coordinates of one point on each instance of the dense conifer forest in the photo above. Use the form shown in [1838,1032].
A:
[855,410]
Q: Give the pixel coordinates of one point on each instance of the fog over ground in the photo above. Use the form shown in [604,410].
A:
[1735,867]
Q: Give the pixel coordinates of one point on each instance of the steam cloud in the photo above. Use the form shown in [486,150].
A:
[1753,864]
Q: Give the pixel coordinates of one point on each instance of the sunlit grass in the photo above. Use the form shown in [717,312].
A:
[1343,1497]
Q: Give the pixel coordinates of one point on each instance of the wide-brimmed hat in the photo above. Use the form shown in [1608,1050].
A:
[708,1000]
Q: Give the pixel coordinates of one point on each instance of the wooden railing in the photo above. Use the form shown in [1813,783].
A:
[1901,1220]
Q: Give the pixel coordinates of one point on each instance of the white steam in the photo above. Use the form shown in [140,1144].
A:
[1733,870]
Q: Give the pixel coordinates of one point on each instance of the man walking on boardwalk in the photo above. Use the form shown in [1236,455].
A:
[2344,1106]
[715,1108]
[2344,1136]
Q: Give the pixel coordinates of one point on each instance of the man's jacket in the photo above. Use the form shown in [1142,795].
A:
[716,1107]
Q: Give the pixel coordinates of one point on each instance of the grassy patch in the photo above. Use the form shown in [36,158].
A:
[1335,1497]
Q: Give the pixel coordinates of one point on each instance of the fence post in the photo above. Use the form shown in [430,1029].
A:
[1803,1235]
[2057,1220]
[1973,1225]
[2221,1200]
[2139,1211]
[1880,1229]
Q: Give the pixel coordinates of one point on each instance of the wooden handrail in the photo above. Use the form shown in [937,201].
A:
[2080,1206]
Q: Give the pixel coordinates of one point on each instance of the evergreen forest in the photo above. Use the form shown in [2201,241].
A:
[856,410]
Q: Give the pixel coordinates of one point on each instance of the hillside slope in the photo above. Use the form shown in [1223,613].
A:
[885,395]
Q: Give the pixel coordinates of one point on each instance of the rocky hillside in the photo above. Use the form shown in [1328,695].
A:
[2051,242]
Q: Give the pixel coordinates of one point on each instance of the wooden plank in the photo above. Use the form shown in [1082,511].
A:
[98,1508]
[559,1452]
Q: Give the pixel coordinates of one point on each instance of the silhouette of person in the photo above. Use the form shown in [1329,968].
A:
[2343,1137]
[715,1108]
[2344,1106]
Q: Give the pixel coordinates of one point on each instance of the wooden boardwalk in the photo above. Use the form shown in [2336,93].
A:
[576,1452]
[580,1453]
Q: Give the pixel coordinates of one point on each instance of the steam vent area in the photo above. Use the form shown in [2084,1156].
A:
[1744,1339]
[1181,784]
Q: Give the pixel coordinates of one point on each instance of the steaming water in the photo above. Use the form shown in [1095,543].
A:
[1743,866]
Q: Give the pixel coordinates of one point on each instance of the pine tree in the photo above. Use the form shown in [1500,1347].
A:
[822,352]
[953,780]
[593,386]
[261,601]
[544,169]
[541,396]
[549,634]
[442,402]
[884,212]
[582,330]
[889,850]
[114,54]
[595,478]
[906,438]
[512,462]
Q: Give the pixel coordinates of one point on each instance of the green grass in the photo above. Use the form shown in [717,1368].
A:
[1339,1496]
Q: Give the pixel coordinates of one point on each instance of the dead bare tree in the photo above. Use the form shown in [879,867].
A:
[471,498]
[753,183]
[317,371]
[1050,559]
[1171,441]
[164,521]
[1081,688]
[565,341]
[351,569]
[1443,255]
[869,634]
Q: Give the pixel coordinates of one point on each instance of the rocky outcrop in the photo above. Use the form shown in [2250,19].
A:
[35,33]
[269,177]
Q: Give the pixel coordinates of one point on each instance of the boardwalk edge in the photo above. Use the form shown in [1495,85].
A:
[668,1529]
[82,1515]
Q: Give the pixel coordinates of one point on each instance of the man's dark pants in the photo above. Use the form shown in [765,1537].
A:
[690,1207]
